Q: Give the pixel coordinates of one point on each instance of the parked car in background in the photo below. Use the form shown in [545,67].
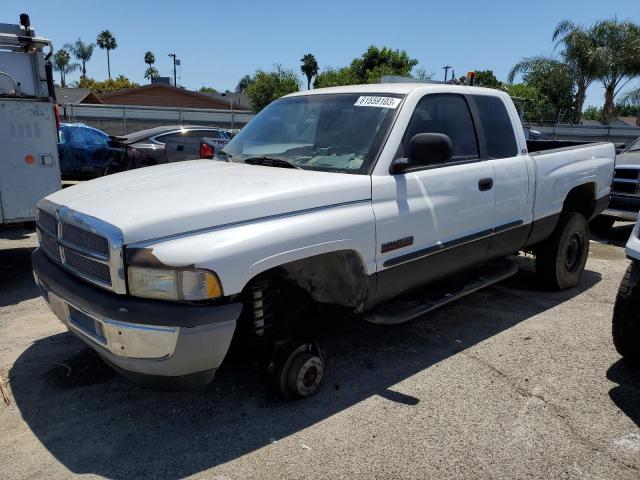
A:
[166,144]
[625,190]
[85,152]
[626,323]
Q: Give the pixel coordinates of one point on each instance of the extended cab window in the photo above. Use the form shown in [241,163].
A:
[497,127]
[447,114]
[330,132]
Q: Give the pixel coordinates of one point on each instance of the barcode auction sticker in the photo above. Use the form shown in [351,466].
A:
[380,102]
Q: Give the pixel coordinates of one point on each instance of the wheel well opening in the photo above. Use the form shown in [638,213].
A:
[337,278]
[581,199]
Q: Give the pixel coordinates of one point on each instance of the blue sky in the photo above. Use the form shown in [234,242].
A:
[219,42]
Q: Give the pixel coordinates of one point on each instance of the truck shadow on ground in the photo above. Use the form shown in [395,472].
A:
[94,421]
[626,395]
[616,235]
[16,279]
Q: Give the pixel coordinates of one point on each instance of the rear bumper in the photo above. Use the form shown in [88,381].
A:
[184,343]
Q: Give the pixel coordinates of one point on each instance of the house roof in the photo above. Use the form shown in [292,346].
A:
[161,95]
[629,121]
[73,96]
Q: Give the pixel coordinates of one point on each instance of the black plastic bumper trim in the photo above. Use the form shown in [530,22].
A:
[124,308]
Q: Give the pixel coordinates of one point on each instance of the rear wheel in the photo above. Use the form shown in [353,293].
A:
[560,259]
[626,325]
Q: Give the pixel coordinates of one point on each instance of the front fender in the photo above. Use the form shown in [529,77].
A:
[240,252]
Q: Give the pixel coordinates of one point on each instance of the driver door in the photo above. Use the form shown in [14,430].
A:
[437,220]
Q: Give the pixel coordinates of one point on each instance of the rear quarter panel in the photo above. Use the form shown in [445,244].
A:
[557,172]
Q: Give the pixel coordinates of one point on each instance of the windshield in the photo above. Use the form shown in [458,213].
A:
[635,146]
[329,132]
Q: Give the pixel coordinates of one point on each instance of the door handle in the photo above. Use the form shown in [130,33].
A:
[485,184]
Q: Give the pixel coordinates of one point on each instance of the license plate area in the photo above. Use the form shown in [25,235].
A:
[88,325]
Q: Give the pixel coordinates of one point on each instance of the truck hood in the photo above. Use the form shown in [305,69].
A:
[628,159]
[163,200]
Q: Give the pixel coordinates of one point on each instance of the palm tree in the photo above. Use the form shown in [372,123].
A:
[617,53]
[61,64]
[243,84]
[309,67]
[82,51]
[107,41]
[151,73]
[578,52]
[149,58]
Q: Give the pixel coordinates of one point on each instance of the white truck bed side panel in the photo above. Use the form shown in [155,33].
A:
[557,172]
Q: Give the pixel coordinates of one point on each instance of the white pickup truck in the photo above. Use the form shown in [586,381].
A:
[352,196]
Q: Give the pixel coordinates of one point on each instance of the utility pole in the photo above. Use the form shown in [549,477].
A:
[446,70]
[173,56]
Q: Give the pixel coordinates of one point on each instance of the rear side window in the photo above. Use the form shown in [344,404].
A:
[497,127]
[448,114]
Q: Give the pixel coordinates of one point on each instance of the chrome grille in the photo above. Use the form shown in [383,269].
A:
[83,245]
[48,223]
[626,182]
[84,239]
[49,245]
[87,266]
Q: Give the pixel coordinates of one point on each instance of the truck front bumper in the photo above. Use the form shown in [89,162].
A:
[623,207]
[153,342]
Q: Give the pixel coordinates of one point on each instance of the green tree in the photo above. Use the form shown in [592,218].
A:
[243,84]
[208,90]
[62,63]
[553,79]
[533,105]
[369,68]
[82,51]
[377,62]
[149,58]
[617,52]
[309,68]
[335,77]
[265,87]
[592,113]
[578,52]
[422,74]
[111,85]
[151,73]
[486,78]
[107,41]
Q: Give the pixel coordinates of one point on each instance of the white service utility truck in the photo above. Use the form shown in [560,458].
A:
[29,168]
[363,197]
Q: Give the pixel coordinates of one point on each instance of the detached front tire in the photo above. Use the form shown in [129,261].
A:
[625,325]
[560,260]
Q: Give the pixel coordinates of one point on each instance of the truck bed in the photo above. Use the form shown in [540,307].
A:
[536,147]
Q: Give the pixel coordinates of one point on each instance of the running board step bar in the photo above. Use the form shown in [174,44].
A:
[441,293]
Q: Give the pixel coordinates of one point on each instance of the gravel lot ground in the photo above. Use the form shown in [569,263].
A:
[511,382]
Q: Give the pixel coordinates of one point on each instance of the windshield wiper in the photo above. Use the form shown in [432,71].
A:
[271,162]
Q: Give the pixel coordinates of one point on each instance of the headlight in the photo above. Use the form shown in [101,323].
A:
[167,284]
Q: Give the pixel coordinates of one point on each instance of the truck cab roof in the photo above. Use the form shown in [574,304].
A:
[401,89]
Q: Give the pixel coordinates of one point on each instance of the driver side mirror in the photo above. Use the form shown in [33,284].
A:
[424,149]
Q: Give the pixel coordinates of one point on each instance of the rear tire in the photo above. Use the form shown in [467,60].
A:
[625,324]
[560,259]
[601,224]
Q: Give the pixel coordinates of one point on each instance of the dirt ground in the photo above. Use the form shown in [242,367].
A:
[511,382]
